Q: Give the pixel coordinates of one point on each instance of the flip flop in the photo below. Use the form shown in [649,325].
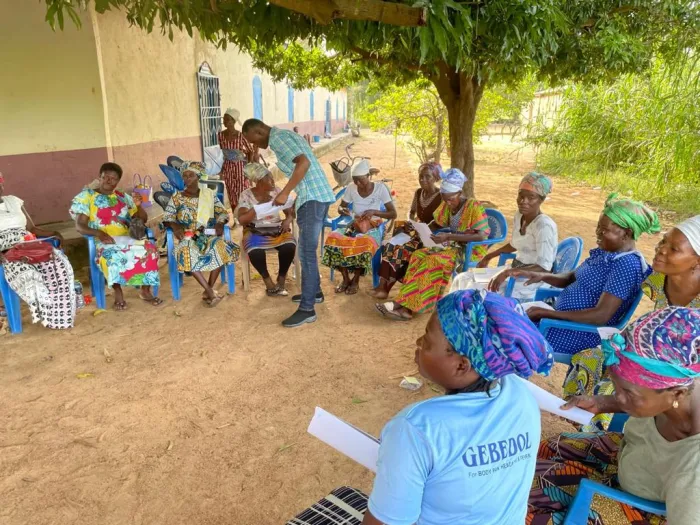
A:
[341,287]
[387,311]
[277,291]
[352,289]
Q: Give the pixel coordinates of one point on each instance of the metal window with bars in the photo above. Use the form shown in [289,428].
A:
[209,105]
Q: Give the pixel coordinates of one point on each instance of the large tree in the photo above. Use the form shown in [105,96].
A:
[460,46]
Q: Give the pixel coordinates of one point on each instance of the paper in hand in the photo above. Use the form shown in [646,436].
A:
[537,304]
[234,155]
[269,208]
[425,234]
[552,404]
[345,438]
[606,332]
[400,239]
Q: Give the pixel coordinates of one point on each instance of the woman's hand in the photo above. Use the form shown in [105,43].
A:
[590,404]
[441,238]
[178,231]
[484,263]
[368,214]
[535,313]
[286,226]
[344,211]
[104,238]
[497,281]
[219,229]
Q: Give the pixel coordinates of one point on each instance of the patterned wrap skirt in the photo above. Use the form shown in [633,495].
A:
[428,274]
[252,241]
[205,253]
[351,250]
[134,265]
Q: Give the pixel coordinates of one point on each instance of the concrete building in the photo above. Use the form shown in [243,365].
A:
[73,99]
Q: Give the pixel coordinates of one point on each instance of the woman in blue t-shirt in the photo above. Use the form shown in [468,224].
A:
[466,457]
[604,287]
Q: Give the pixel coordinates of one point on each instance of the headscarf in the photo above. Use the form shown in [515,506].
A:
[690,228]
[255,171]
[452,181]
[361,169]
[234,114]
[659,350]
[195,166]
[494,333]
[631,215]
[205,203]
[434,168]
[536,182]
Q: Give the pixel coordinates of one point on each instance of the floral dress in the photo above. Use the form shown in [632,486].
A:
[127,262]
[232,171]
[201,252]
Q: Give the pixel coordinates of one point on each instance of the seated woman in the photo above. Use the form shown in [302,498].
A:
[430,269]
[467,456]
[654,366]
[534,241]
[395,257]
[603,288]
[46,287]
[267,232]
[105,213]
[190,213]
[352,249]
[674,282]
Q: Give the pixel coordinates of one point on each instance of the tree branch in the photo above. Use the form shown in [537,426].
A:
[325,11]
[366,55]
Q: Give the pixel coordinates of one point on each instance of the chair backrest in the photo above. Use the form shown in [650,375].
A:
[498,224]
[630,311]
[568,255]
[174,177]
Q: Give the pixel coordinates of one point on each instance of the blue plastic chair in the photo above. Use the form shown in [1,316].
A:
[566,260]
[177,278]
[344,221]
[11,299]
[547,324]
[97,278]
[499,232]
[579,509]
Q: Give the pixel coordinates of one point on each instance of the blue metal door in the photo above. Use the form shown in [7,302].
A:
[328,117]
[311,106]
[290,104]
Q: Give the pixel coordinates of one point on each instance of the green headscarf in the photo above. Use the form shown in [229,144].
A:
[631,215]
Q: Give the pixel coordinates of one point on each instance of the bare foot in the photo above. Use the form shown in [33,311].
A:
[378,293]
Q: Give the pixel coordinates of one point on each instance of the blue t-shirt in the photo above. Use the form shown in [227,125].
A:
[459,460]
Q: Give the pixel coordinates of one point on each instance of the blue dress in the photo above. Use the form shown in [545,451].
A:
[619,274]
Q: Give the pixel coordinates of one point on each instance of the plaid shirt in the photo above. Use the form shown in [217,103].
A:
[287,146]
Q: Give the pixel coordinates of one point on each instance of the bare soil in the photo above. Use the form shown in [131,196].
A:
[182,415]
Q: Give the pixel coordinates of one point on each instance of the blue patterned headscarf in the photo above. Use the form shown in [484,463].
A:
[494,333]
[452,181]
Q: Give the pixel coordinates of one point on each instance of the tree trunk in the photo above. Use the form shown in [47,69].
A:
[440,140]
[461,94]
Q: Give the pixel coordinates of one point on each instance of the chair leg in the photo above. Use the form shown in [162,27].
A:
[245,268]
[376,263]
[231,271]
[12,308]
[580,507]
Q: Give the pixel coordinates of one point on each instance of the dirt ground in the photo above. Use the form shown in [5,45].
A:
[184,415]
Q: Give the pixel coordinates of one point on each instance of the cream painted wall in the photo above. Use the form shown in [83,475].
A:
[50,95]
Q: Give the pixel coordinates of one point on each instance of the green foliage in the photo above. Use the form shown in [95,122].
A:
[504,103]
[413,111]
[639,134]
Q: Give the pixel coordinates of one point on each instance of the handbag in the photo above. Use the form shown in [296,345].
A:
[30,252]
[143,187]
[266,231]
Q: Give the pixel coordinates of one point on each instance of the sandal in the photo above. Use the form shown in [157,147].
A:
[352,289]
[387,311]
[342,287]
[213,302]
[120,306]
[277,291]
[154,301]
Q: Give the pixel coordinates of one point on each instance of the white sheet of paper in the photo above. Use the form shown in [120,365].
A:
[125,240]
[209,231]
[551,403]
[345,438]
[400,239]
[606,332]
[484,275]
[268,208]
[424,232]
[538,304]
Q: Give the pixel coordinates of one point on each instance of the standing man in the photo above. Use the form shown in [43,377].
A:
[297,161]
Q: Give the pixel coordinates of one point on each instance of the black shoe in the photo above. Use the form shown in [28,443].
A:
[299,318]
[319,298]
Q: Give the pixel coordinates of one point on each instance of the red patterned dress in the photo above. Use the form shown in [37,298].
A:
[232,171]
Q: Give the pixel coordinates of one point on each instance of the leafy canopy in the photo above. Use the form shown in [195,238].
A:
[494,40]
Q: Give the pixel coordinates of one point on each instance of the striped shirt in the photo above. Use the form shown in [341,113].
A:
[287,146]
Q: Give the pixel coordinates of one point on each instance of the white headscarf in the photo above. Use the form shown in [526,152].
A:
[234,114]
[361,169]
[691,229]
